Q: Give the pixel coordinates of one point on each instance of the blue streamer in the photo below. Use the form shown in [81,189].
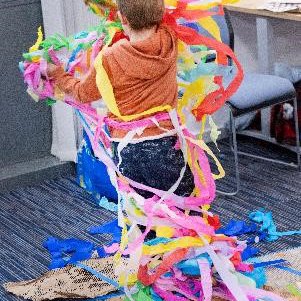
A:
[268,225]
[111,228]
[236,228]
[288,269]
[249,252]
[109,296]
[98,274]
[67,251]
[269,263]
[73,56]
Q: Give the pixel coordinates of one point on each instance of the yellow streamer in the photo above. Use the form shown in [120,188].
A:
[184,242]
[106,90]
[123,244]
[203,146]
[127,280]
[164,231]
[39,41]
[193,6]
[215,132]
[210,25]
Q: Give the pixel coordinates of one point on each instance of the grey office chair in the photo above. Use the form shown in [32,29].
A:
[257,91]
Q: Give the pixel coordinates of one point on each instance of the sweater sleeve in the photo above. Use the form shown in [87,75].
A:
[84,90]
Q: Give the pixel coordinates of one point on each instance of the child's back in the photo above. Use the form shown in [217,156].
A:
[142,72]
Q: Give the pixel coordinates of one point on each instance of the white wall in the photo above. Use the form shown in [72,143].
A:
[65,17]
[286,40]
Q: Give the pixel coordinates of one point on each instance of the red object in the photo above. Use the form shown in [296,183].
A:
[215,100]
[148,279]
[214,221]
[112,15]
[239,265]
[119,35]
[283,130]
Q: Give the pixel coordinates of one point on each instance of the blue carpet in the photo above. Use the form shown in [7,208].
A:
[28,216]
[266,185]
[60,208]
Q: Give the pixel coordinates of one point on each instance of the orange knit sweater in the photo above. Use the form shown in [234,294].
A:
[143,76]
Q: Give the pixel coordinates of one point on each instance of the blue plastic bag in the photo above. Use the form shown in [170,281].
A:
[92,174]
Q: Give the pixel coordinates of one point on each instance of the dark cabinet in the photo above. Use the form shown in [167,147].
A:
[25,126]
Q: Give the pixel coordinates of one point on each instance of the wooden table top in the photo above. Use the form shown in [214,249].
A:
[251,7]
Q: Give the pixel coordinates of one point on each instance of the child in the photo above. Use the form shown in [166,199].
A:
[142,71]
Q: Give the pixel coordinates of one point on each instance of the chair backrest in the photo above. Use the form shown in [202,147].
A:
[226,29]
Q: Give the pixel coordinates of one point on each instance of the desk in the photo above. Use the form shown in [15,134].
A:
[264,40]
[250,7]
[264,29]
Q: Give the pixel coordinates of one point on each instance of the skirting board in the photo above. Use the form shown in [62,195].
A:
[33,172]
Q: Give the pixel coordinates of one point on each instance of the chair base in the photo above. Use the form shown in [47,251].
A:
[234,147]
[270,160]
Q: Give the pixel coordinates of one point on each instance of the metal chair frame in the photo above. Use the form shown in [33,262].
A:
[229,40]
[234,146]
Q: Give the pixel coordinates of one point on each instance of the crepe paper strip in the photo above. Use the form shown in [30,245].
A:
[56,41]
[130,279]
[130,125]
[265,219]
[236,228]
[37,45]
[67,251]
[288,269]
[269,263]
[97,274]
[143,293]
[166,295]
[53,57]
[215,132]
[106,204]
[108,228]
[191,37]
[210,25]
[249,252]
[202,146]
[227,277]
[259,276]
[239,265]
[164,231]
[50,102]
[183,242]
[164,267]
[205,271]
[294,290]
[189,288]
[106,90]
[255,294]
[214,221]
[109,296]
[139,241]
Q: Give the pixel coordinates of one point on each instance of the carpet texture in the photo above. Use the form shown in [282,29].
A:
[60,208]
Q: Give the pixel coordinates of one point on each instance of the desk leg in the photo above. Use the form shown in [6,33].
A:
[265,61]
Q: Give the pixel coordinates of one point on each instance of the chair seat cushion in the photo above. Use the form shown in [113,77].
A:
[258,91]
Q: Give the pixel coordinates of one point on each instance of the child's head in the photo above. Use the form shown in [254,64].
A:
[141,14]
